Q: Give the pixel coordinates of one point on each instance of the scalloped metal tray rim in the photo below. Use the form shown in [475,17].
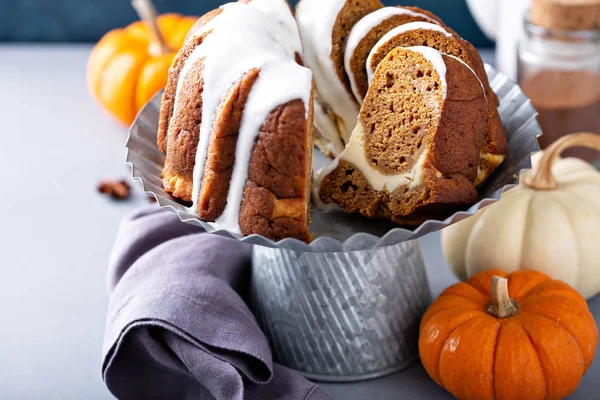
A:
[327,244]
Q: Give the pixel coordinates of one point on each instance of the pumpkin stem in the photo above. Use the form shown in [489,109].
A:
[541,178]
[148,14]
[501,306]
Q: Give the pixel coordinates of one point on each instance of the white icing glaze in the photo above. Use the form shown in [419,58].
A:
[416,174]
[272,89]
[278,11]
[413,26]
[251,21]
[362,29]
[259,41]
[328,129]
[281,11]
[316,20]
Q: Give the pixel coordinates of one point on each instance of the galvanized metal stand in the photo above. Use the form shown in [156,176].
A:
[341,317]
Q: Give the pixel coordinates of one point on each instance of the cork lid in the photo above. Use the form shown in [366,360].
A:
[569,15]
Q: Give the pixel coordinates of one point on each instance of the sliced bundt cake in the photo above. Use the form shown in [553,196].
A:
[236,123]
[415,150]
[400,98]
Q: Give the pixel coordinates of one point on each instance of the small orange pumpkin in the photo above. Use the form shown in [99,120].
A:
[129,66]
[526,337]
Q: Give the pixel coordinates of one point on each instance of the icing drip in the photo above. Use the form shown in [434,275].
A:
[316,20]
[413,26]
[280,10]
[277,11]
[272,89]
[258,41]
[252,25]
[362,29]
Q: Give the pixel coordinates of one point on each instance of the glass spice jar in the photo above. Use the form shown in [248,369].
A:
[559,70]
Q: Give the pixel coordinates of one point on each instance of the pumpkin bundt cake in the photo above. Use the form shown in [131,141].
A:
[238,135]
[415,149]
[401,100]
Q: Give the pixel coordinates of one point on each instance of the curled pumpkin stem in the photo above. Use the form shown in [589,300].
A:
[148,14]
[501,306]
[541,178]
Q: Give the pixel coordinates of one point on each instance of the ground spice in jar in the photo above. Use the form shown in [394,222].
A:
[559,68]
[567,101]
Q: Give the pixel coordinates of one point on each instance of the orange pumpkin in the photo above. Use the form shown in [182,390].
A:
[526,337]
[129,66]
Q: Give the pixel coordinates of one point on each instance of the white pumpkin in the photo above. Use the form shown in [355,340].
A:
[550,223]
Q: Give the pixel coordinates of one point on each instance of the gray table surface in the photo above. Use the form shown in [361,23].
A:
[56,233]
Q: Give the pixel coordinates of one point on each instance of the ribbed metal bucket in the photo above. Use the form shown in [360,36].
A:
[341,317]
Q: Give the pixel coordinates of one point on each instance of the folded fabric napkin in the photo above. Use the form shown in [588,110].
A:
[178,326]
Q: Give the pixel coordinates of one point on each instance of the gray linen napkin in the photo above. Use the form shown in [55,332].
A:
[178,327]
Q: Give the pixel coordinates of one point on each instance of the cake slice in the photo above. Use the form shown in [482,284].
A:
[324,28]
[415,150]
[443,39]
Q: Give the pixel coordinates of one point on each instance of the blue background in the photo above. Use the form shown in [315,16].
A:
[88,20]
